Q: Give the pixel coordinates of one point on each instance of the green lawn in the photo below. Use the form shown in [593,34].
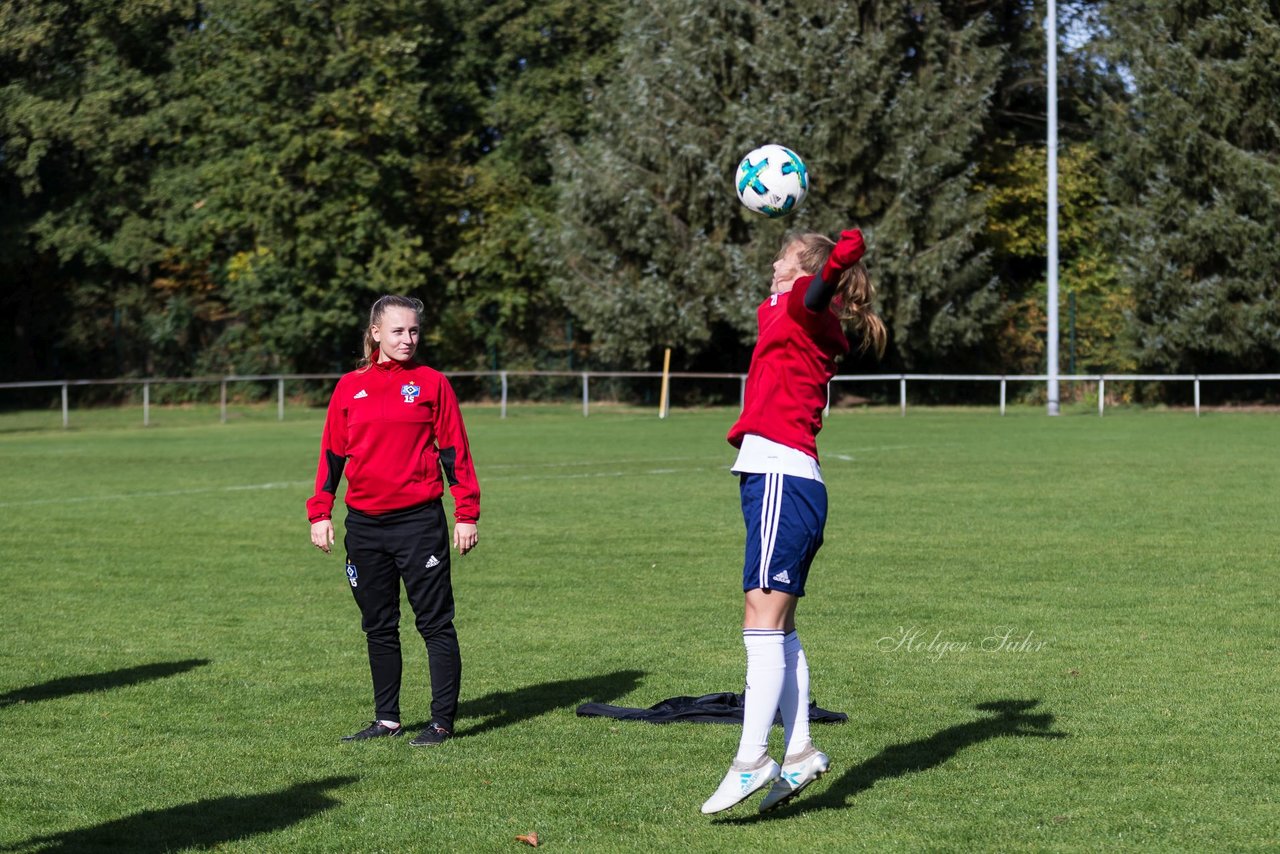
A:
[178,662]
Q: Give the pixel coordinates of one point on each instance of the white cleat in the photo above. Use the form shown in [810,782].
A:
[740,783]
[797,772]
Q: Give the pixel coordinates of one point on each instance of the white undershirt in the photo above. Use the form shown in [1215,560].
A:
[759,455]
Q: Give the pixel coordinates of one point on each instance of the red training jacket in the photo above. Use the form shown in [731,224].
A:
[391,428]
[794,359]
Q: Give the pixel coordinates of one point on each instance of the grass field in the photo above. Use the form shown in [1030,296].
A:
[1048,634]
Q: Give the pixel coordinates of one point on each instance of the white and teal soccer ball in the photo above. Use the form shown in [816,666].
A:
[772,180]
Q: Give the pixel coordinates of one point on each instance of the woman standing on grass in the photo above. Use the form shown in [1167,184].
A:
[817,285]
[392,425]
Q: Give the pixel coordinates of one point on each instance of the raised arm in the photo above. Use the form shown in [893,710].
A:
[847,252]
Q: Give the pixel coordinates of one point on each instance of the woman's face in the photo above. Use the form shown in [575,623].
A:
[397,334]
[786,270]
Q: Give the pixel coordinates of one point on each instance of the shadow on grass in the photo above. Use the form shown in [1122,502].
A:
[1009,718]
[503,708]
[206,823]
[70,685]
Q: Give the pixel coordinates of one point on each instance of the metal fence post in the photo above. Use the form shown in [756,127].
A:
[742,394]
[1197,381]
[826,413]
[64,406]
[902,394]
[585,397]
[280,398]
[146,404]
[223,405]
[503,374]
[1102,394]
[1003,383]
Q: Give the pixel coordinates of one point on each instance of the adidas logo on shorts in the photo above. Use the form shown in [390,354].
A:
[432,561]
[782,577]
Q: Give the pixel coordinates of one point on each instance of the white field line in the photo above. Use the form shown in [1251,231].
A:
[575,463]
[293,484]
[171,493]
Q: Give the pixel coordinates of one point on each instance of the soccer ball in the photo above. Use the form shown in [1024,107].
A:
[772,180]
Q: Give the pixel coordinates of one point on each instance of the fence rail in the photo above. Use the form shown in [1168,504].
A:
[586,376]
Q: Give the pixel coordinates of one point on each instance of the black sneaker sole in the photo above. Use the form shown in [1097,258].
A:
[349,739]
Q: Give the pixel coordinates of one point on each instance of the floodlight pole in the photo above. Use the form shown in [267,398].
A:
[1051,334]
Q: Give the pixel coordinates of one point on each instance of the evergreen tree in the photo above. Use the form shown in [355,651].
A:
[1195,169]
[885,103]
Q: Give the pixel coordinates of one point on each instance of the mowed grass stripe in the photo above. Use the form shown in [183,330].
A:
[1049,634]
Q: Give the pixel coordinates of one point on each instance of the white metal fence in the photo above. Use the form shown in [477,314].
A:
[587,376]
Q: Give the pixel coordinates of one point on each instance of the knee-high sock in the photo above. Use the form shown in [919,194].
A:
[795,695]
[765,673]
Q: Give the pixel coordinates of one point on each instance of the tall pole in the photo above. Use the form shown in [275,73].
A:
[1051,335]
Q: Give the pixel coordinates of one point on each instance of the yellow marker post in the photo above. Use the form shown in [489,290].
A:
[666,384]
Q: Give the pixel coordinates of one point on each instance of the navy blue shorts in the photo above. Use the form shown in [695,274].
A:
[785,516]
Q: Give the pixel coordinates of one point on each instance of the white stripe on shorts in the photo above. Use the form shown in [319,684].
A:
[770,513]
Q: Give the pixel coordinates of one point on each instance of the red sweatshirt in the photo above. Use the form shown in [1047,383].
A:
[392,427]
[794,359]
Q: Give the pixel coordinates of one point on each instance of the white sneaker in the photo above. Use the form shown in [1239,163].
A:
[738,785]
[797,772]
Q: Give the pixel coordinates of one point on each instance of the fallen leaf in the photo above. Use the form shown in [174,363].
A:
[530,839]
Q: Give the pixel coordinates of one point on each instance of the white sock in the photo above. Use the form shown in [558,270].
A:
[795,695]
[765,672]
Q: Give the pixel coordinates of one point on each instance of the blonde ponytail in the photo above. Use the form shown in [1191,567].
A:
[853,306]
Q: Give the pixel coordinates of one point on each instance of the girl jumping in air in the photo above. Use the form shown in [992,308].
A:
[818,287]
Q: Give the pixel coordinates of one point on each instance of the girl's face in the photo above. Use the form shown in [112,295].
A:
[787,269]
[397,334]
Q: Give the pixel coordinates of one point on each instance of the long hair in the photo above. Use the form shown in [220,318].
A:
[854,292]
[380,307]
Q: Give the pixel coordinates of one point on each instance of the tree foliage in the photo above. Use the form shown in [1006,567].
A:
[1088,274]
[226,185]
[887,104]
[321,166]
[1194,154]
[80,142]
[532,59]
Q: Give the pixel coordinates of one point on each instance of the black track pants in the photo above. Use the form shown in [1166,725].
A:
[412,545]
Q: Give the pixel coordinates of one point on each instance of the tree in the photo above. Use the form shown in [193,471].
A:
[79,148]
[887,106]
[531,60]
[1195,177]
[321,166]
[1017,233]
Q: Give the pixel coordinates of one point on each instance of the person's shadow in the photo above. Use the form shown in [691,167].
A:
[1009,718]
[503,708]
[89,682]
[206,823]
